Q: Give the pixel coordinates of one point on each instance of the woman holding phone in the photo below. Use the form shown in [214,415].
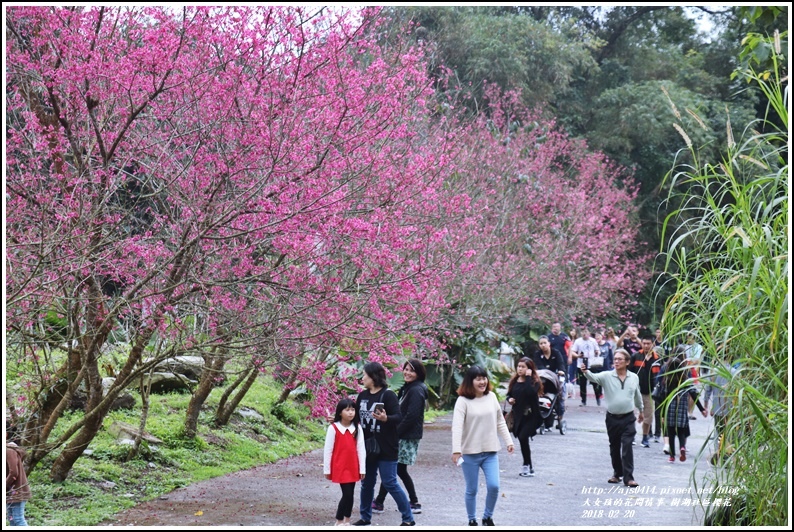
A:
[379,411]
[413,397]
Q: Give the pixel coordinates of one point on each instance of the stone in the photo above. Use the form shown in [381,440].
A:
[124,431]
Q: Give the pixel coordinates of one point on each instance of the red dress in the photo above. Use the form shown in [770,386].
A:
[344,460]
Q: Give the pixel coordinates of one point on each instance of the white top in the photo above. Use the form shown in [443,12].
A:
[589,347]
[694,352]
[330,438]
[476,423]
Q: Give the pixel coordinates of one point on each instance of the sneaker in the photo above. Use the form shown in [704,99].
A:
[683,455]
[645,442]
[409,523]
[377,507]
[598,401]
[361,522]
[487,521]
[583,404]
[671,459]
[633,442]
[666,449]
[656,439]
[472,522]
[524,471]
[531,472]
[416,508]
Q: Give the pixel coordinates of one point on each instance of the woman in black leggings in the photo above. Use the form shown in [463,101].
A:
[677,418]
[412,396]
[522,393]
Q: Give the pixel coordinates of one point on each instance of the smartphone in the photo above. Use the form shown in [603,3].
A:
[378,407]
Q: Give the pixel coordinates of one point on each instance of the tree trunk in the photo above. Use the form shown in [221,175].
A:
[222,416]
[52,403]
[145,385]
[230,389]
[213,365]
[288,384]
[92,422]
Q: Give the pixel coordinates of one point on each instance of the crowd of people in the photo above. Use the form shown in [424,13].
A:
[379,432]
[624,370]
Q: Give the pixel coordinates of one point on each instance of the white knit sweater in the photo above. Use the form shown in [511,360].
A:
[476,423]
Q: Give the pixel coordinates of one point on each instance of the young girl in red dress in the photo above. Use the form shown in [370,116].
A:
[344,456]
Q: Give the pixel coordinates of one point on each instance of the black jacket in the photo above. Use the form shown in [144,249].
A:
[412,396]
[526,409]
[555,362]
[385,433]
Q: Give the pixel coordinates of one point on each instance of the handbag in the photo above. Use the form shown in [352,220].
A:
[372,447]
[507,411]
[659,393]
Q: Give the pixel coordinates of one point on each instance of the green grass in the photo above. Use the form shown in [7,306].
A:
[87,497]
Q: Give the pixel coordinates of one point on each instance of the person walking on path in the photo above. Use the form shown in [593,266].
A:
[629,340]
[344,456]
[646,365]
[413,398]
[379,411]
[476,422]
[560,342]
[522,393]
[678,407]
[546,357]
[622,391]
[17,488]
[584,350]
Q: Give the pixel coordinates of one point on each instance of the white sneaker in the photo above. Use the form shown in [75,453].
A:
[524,471]
[666,449]
[531,472]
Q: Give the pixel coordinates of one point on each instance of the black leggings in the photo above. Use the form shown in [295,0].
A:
[523,440]
[345,507]
[402,472]
[671,433]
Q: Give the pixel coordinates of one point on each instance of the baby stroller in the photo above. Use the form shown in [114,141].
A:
[553,389]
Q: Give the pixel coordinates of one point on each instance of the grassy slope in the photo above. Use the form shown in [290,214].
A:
[87,498]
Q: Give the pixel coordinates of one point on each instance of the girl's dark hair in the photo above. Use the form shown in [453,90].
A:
[466,388]
[676,370]
[533,375]
[345,403]
[418,368]
[377,373]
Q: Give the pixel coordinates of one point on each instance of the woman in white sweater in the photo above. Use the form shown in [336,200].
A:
[476,422]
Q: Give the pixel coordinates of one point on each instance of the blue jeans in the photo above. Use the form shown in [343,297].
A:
[15,514]
[388,478]
[489,462]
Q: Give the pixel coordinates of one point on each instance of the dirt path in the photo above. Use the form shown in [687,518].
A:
[569,489]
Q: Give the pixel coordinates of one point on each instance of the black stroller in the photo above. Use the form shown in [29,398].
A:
[553,388]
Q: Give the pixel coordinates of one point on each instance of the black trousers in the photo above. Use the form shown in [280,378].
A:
[345,507]
[657,414]
[583,387]
[402,473]
[621,432]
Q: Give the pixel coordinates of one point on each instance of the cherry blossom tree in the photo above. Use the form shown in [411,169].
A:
[551,233]
[210,180]
[273,186]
